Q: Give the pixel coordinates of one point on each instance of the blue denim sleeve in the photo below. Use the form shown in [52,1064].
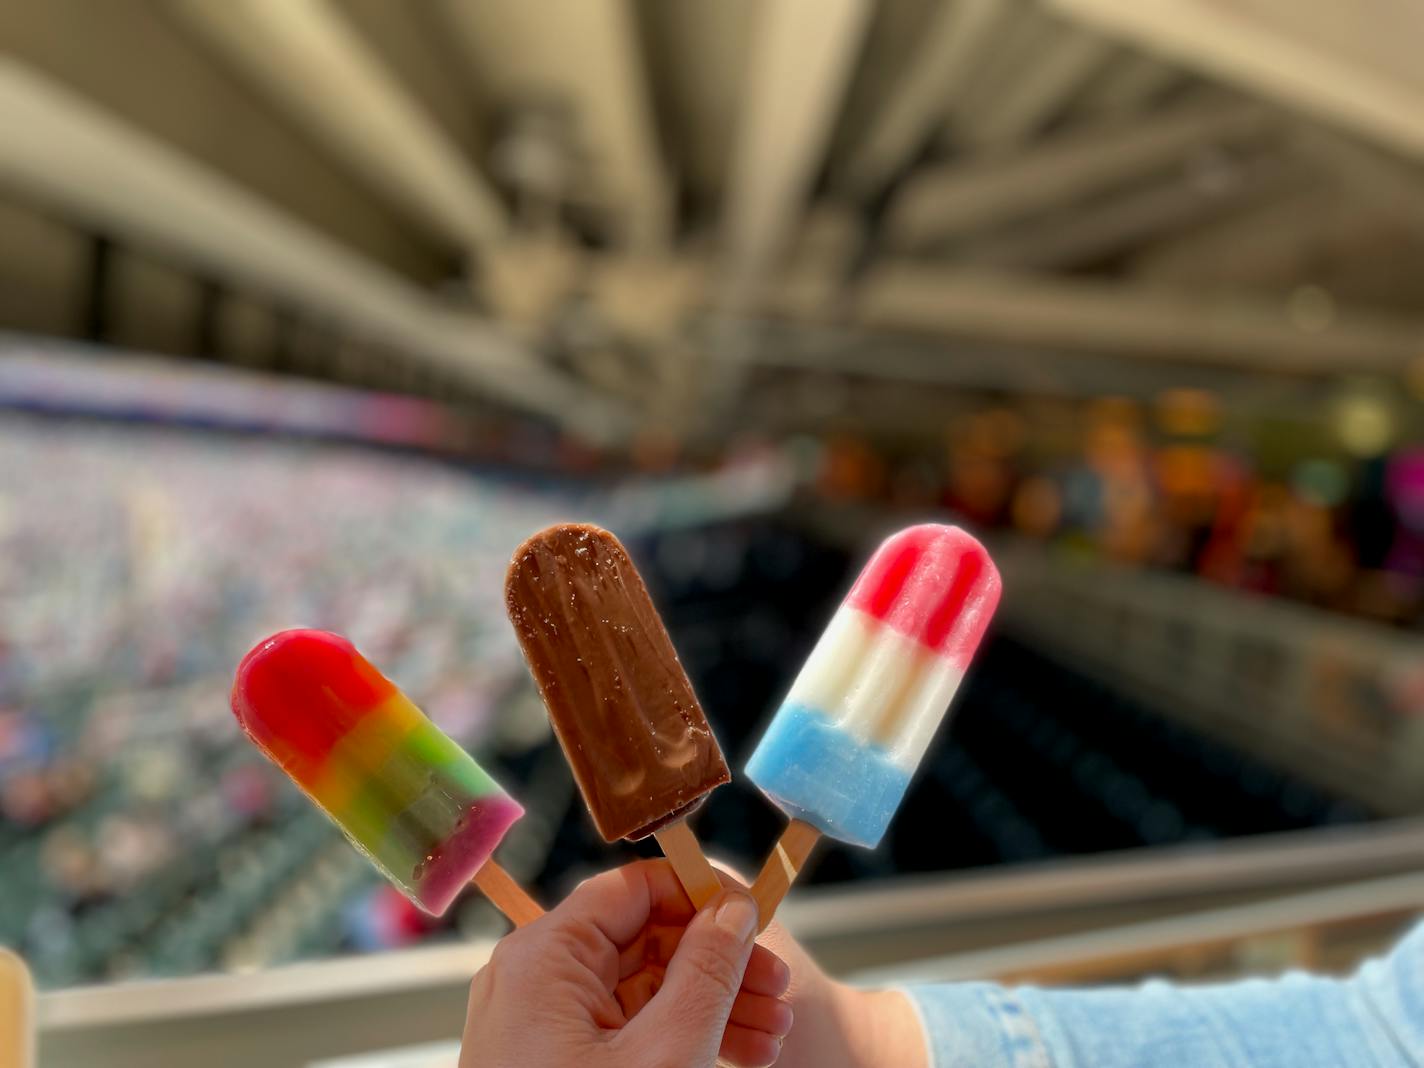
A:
[1375,1019]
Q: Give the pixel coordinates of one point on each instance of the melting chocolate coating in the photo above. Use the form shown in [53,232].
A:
[621,705]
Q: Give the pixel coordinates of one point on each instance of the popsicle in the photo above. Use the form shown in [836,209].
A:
[406,796]
[17,1024]
[621,705]
[845,742]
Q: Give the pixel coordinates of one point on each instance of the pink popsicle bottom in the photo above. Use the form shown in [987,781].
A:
[448,868]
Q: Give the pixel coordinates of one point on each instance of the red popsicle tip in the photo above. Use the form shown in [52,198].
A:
[933,583]
[298,692]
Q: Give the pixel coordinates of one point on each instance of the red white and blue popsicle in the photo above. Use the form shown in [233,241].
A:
[842,748]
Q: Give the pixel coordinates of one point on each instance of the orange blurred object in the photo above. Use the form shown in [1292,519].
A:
[1037,507]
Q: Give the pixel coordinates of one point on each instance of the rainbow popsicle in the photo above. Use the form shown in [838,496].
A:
[408,797]
[845,743]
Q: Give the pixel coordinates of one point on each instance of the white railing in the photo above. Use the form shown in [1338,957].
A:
[1044,916]
[1338,701]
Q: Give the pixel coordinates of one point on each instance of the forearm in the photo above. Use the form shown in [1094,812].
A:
[839,1026]
[1297,1021]
[1372,1020]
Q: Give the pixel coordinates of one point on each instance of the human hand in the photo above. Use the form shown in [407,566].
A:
[624,973]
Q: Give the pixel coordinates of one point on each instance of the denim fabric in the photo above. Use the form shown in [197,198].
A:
[1374,1019]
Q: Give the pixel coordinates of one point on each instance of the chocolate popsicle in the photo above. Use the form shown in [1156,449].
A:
[621,705]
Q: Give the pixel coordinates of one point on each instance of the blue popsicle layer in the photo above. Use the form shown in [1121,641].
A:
[820,774]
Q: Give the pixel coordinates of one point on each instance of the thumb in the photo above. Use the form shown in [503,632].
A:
[685,1019]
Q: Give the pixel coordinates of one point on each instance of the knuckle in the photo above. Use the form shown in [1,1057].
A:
[480,985]
[579,942]
[501,954]
[507,955]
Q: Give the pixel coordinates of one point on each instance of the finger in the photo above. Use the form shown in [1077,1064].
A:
[687,1016]
[655,945]
[617,903]
[670,900]
[804,970]
[635,993]
[757,1013]
[767,974]
[633,956]
[746,1048]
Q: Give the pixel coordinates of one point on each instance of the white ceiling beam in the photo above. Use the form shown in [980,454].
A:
[1042,89]
[1132,82]
[1131,219]
[1248,250]
[57,142]
[1390,184]
[1356,63]
[944,202]
[919,101]
[801,63]
[697,54]
[835,348]
[582,55]
[1116,319]
[305,56]
[803,55]
[1017,46]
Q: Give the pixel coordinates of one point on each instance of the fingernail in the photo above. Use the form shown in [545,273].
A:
[738,915]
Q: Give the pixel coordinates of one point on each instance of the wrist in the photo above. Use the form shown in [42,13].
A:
[881,1028]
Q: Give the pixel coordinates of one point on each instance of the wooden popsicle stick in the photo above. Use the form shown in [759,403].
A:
[697,876]
[17,1029]
[782,867]
[507,895]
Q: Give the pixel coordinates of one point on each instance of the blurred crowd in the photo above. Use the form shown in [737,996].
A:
[1332,516]
[139,833]
[136,566]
